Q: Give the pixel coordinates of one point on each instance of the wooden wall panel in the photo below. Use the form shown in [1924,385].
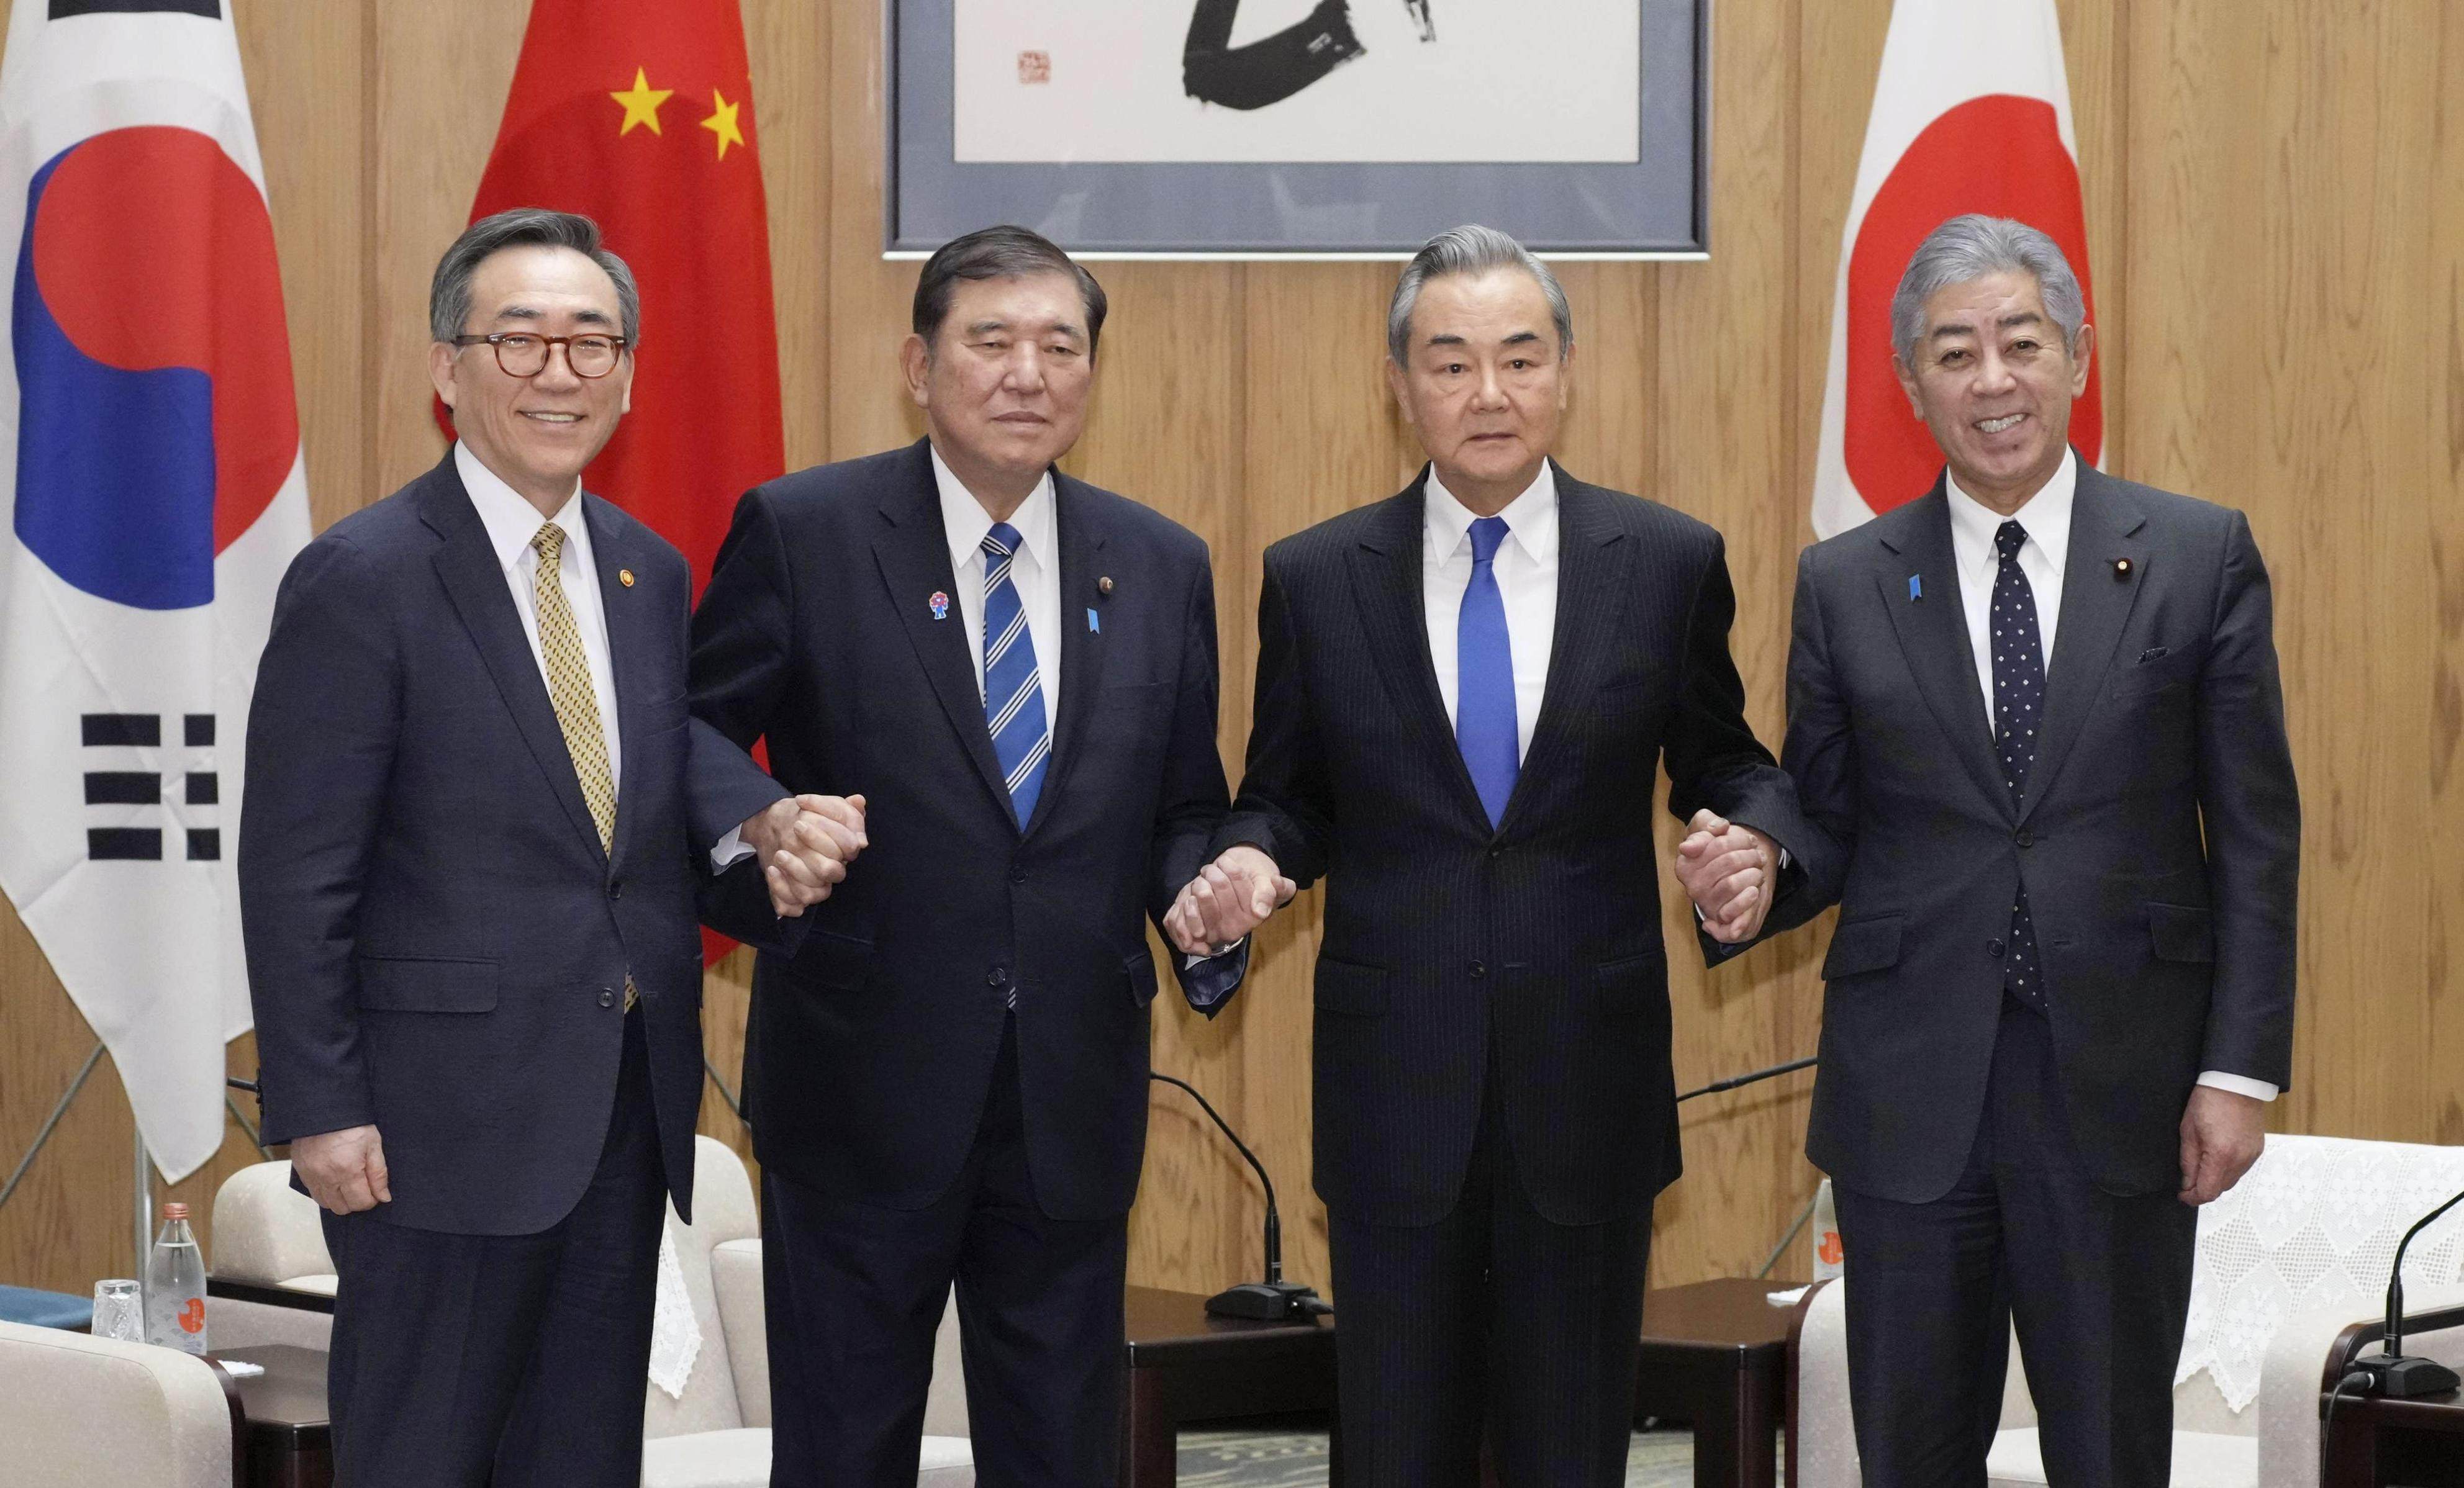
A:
[2282,314]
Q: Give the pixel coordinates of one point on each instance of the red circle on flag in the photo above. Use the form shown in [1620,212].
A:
[2000,155]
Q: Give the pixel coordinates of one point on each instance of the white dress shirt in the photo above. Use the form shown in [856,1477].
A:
[1526,566]
[2046,518]
[512,522]
[1035,568]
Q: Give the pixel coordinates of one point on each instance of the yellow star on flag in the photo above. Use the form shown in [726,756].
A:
[642,104]
[722,123]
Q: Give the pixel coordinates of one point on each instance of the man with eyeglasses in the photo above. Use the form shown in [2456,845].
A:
[467,876]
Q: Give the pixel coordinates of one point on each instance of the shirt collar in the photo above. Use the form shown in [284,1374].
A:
[966,522]
[2046,515]
[511,520]
[1531,519]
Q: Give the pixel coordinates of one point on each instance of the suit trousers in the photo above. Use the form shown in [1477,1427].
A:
[854,1293]
[513,1360]
[1493,1320]
[2098,1283]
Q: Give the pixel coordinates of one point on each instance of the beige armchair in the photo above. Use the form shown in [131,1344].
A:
[75,1412]
[2272,1443]
[273,1283]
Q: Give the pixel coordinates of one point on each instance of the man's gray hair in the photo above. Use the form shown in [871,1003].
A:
[449,293]
[1970,248]
[1470,249]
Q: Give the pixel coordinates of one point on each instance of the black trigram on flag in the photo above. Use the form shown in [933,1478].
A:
[146,787]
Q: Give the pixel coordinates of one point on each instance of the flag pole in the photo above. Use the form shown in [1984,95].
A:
[145,1205]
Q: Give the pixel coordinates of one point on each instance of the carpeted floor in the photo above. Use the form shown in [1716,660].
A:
[1297,1459]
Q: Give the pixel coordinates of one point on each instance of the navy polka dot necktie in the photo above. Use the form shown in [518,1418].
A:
[2019,715]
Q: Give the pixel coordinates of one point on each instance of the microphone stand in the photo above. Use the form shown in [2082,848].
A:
[1735,1081]
[1273,1300]
[2390,1372]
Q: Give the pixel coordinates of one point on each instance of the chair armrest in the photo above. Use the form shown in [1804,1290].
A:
[736,1283]
[1821,1434]
[2310,1351]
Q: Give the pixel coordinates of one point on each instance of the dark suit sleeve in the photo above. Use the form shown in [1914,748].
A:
[1194,797]
[1712,756]
[2251,812]
[1820,755]
[1282,808]
[744,636]
[321,735]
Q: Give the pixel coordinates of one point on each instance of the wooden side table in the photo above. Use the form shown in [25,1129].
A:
[1185,1367]
[1715,1353]
[2372,1442]
[286,1436]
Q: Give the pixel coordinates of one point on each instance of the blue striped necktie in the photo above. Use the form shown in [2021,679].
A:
[1012,690]
[1485,722]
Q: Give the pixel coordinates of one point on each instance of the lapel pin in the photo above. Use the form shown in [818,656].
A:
[1104,585]
[940,603]
[625,577]
[1094,625]
[2122,569]
[1916,587]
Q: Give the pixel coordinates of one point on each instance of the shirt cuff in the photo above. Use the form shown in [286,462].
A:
[1189,962]
[732,849]
[2239,1084]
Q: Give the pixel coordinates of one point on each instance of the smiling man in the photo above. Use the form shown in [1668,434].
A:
[2036,725]
[1464,694]
[948,1079]
[466,881]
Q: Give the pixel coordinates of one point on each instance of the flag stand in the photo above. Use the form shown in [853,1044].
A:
[145,1194]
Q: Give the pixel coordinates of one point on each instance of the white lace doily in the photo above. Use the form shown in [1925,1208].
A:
[2315,1222]
[675,1333]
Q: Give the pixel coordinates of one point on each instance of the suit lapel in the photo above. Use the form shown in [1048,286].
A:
[2097,601]
[1081,536]
[1593,588]
[634,636]
[1386,583]
[914,556]
[1933,635]
[476,583]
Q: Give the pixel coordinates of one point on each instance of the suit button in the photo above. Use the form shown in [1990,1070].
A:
[2025,837]
[1017,875]
[1478,968]
[607,998]
[616,889]
[1498,851]
[1993,948]
[994,976]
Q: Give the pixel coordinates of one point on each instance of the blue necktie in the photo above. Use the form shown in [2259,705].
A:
[2019,712]
[1013,691]
[1485,728]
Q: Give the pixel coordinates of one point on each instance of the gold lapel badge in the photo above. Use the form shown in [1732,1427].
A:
[2121,568]
[625,577]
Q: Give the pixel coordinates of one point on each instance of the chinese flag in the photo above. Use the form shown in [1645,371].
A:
[639,115]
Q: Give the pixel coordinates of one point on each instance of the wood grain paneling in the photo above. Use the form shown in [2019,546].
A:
[2276,219]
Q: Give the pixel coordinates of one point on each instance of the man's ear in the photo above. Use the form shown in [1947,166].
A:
[1398,382]
[1908,385]
[2082,352]
[440,369]
[915,361]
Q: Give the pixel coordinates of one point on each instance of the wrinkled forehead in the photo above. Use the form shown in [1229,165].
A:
[2004,300]
[537,283]
[1495,307]
[1034,304]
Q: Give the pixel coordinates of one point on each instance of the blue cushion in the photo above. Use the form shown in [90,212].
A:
[45,1309]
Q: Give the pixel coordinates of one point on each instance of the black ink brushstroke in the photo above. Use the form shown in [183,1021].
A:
[1269,70]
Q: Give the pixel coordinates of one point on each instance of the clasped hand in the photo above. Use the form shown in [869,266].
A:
[1229,898]
[805,843]
[1727,869]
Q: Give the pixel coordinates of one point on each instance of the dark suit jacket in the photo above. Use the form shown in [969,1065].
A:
[873,1037]
[1533,951]
[2159,837]
[436,942]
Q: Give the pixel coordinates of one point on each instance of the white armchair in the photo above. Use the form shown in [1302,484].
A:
[274,1283]
[76,1410]
[2295,1255]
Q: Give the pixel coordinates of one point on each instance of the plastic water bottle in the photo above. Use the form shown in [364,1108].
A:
[175,1285]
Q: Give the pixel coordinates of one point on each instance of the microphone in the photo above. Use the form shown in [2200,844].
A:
[1735,1081]
[1273,1300]
[2390,1372]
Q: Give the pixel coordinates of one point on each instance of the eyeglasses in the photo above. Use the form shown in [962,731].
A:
[524,353]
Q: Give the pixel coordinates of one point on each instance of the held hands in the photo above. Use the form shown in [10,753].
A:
[342,1171]
[805,843]
[1728,870]
[1229,898]
[2222,1134]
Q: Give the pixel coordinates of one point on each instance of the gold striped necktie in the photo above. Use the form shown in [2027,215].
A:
[568,687]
